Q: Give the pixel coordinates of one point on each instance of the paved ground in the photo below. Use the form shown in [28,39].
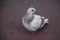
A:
[12,11]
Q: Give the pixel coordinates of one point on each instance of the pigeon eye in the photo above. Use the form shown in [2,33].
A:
[32,10]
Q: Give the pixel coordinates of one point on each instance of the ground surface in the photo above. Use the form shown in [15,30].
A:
[12,11]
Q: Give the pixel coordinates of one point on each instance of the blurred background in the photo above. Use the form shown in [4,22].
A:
[12,11]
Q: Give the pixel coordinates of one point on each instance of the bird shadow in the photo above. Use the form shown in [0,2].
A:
[42,29]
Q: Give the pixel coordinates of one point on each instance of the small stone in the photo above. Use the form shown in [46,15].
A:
[26,1]
[11,33]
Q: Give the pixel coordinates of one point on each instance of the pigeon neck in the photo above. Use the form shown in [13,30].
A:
[30,15]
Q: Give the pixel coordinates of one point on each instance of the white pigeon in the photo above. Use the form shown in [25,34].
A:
[33,22]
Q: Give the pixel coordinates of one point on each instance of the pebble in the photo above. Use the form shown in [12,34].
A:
[26,2]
